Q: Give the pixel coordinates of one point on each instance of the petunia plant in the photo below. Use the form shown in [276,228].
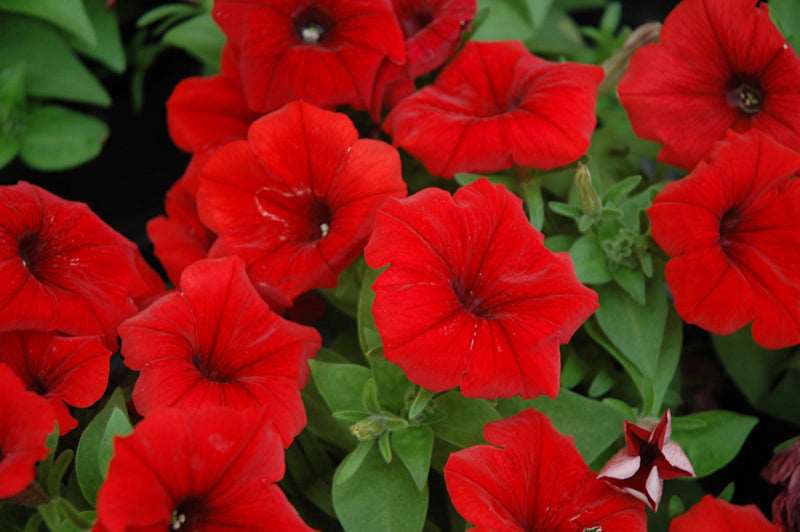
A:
[432,266]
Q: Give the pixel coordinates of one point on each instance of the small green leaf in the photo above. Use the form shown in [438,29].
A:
[636,330]
[57,138]
[340,385]
[567,210]
[727,493]
[632,281]
[391,381]
[12,92]
[9,148]
[620,190]
[532,193]
[350,416]
[200,37]
[353,461]
[385,447]
[369,397]
[464,419]
[348,288]
[368,335]
[52,70]
[420,402]
[117,425]
[414,446]
[538,9]
[58,471]
[711,438]
[68,15]
[88,466]
[164,11]
[108,49]
[676,506]
[786,15]
[379,496]
[590,261]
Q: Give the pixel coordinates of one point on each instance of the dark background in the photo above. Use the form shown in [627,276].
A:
[125,186]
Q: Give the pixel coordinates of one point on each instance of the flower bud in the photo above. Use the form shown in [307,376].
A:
[590,200]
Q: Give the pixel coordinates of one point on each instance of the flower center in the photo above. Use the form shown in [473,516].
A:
[30,252]
[312,25]
[415,22]
[186,516]
[321,218]
[207,370]
[471,301]
[747,96]
[727,225]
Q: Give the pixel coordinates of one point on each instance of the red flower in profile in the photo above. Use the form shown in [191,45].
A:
[648,458]
[325,52]
[732,230]
[66,371]
[214,469]
[495,106]
[180,238]
[433,30]
[205,112]
[297,200]
[472,297]
[63,269]
[718,65]
[533,478]
[716,515]
[216,343]
[25,422]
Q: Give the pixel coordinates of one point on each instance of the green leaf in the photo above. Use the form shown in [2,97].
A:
[505,21]
[636,330]
[379,496]
[590,261]
[420,402]
[12,93]
[108,50]
[348,288]
[712,438]
[620,190]
[200,37]
[727,493]
[534,201]
[753,368]
[786,15]
[464,418]
[57,138]
[164,11]
[9,148]
[368,335]
[117,425]
[51,67]
[68,15]
[567,210]
[385,447]
[369,397]
[88,466]
[414,446]
[340,385]
[391,381]
[594,425]
[57,472]
[353,461]
[632,281]
[538,9]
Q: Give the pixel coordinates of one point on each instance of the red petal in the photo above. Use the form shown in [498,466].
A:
[716,515]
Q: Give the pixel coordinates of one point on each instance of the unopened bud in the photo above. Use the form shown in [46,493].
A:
[590,200]
[368,428]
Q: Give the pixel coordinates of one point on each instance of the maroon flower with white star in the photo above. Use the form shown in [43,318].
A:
[648,458]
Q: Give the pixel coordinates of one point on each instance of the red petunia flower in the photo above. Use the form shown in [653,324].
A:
[297,200]
[63,269]
[215,342]
[784,470]
[325,52]
[648,458]
[732,230]
[495,106]
[433,30]
[392,84]
[716,515]
[180,238]
[25,422]
[719,64]
[214,469]
[533,478]
[206,112]
[472,297]
[64,370]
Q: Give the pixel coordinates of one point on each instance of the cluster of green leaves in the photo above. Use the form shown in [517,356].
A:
[41,69]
